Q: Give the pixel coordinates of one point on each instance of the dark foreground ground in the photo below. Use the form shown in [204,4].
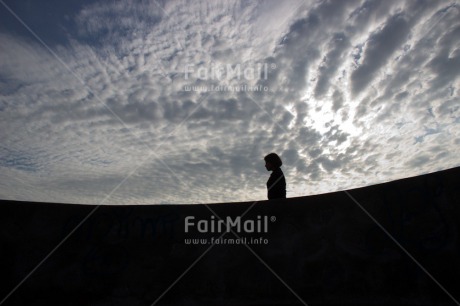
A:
[318,250]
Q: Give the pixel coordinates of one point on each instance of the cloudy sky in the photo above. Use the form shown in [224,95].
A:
[133,102]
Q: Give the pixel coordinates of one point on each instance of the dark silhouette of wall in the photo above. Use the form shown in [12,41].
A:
[324,247]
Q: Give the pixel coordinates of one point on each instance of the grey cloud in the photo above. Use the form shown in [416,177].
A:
[416,54]
[335,134]
[301,109]
[313,171]
[328,164]
[368,12]
[361,110]
[309,136]
[315,152]
[388,112]
[419,161]
[337,98]
[299,49]
[449,108]
[401,96]
[339,45]
[379,48]
[290,156]
[446,68]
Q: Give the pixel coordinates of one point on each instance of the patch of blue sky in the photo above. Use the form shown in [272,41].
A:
[428,131]
[18,160]
[52,20]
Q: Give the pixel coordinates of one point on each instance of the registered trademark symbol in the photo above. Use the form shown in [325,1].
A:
[273,66]
[273,218]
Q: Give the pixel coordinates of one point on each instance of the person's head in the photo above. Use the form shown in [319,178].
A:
[272,161]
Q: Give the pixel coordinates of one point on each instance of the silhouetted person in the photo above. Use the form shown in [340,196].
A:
[276,184]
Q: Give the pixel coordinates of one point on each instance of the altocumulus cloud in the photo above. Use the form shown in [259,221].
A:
[116,103]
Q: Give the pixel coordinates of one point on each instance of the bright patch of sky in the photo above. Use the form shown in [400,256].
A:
[155,102]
